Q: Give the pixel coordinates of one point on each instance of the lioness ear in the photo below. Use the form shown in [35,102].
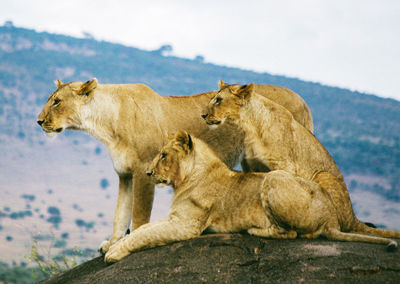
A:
[184,140]
[222,84]
[245,91]
[58,83]
[87,89]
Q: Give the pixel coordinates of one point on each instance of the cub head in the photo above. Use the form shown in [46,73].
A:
[168,167]
[62,109]
[226,103]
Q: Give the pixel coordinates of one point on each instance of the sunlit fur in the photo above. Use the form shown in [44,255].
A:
[132,120]
[273,138]
[209,196]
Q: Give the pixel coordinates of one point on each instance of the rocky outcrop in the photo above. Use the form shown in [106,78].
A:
[240,258]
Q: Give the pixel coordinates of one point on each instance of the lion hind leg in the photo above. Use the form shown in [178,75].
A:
[273,232]
[335,234]
[337,191]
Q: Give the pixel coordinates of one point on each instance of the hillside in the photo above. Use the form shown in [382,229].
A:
[244,259]
[62,192]
[361,131]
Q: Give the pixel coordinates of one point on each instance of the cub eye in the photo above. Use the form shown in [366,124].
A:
[163,155]
[56,102]
[218,100]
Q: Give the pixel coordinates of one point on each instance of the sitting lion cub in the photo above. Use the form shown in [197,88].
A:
[274,139]
[209,195]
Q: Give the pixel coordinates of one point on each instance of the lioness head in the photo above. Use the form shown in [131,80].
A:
[167,167]
[226,103]
[62,109]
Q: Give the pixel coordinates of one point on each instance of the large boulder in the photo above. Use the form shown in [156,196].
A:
[240,258]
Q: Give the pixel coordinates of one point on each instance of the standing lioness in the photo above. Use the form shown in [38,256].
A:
[132,120]
[208,195]
[274,138]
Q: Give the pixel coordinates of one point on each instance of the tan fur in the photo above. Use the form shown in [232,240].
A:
[132,120]
[273,138]
[209,196]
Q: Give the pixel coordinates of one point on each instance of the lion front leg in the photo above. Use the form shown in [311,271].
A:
[151,235]
[122,216]
[143,196]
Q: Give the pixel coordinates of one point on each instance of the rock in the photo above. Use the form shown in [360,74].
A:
[241,258]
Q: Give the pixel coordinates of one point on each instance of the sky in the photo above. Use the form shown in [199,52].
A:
[353,44]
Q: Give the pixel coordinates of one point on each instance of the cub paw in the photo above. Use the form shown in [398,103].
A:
[104,247]
[116,252]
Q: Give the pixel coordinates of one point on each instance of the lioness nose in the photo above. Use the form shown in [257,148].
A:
[40,122]
[149,173]
[204,115]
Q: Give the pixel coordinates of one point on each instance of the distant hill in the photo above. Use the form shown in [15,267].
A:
[362,132]
[65,189]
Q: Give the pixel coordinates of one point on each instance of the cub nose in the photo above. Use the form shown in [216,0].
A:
[40,122]
[204,115]
[149,173]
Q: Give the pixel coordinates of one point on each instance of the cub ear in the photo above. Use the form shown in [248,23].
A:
[245,91]
[184,140]
[87,89]
[222,84]
[58,83]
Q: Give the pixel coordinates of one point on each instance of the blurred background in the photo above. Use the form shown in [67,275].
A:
[58,195]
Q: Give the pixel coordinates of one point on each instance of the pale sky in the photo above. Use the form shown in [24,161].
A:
[353,44]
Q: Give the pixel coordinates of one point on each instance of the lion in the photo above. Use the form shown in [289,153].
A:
[273,138]
[132,120]
[209,196]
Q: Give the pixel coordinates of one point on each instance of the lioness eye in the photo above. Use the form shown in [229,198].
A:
[56,102]
[218,100]
[163,155]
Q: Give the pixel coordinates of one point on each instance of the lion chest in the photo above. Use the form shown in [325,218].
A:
[122,159]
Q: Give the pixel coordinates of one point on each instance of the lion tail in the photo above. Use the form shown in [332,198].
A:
[335,234]
[360,227]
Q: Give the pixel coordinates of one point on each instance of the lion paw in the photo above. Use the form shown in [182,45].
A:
[308,236]
[104,247]
[292,234]
[116,252]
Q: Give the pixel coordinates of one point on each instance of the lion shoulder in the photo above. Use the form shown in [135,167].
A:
[290,100]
